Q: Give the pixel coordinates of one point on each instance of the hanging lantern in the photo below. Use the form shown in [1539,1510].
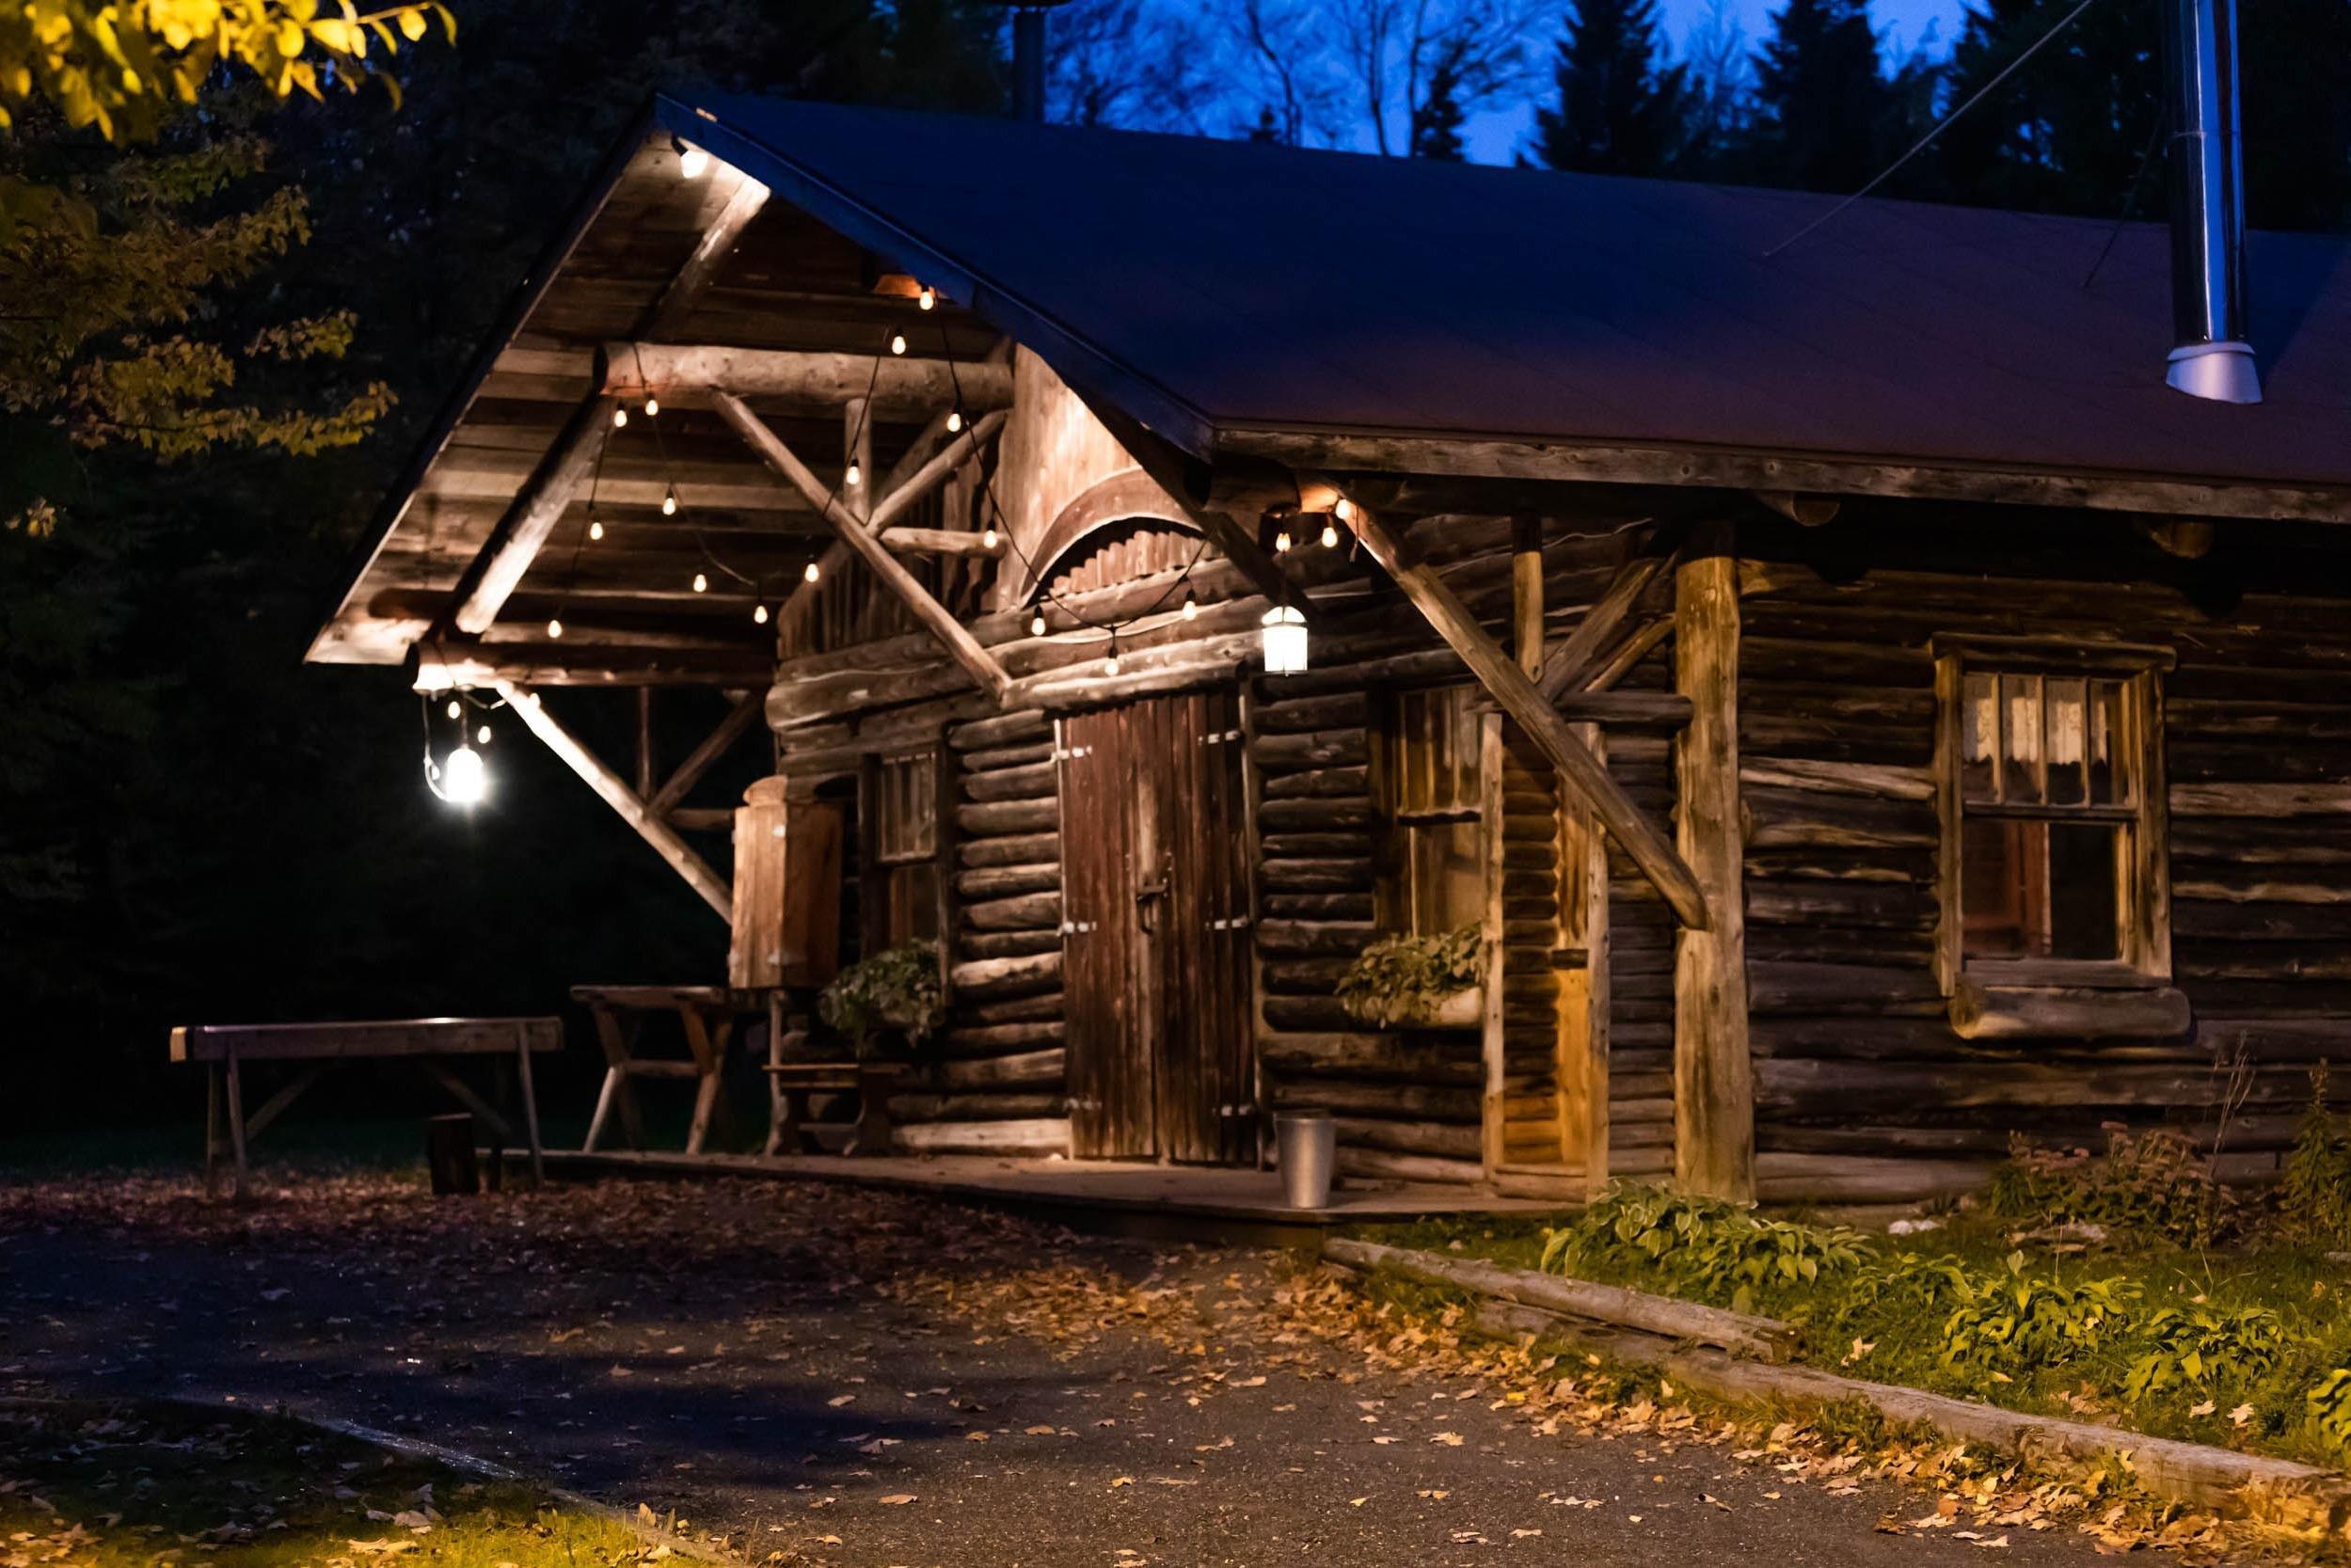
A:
[464,781]
[693,162]
[1285,640]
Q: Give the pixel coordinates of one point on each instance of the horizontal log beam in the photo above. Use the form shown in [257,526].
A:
[899,385]
[941,541]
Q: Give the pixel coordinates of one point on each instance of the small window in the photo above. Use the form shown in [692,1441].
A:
[1433,795]
[904,880]
[2053,869]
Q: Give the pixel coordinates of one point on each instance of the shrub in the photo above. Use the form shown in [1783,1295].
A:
[2017,1321]
[2151,1184]
[1401,979]
[2191,1346]
[1717,1249]
[2330,1407]
[2314,1189]
[896,989]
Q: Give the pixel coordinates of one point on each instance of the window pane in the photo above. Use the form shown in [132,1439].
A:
[2083,861]
[2019,738]
[1979,737]
[2107,782]
[2040,890]
[2063,736]
[1444,883]
[1437,750]
[914,912]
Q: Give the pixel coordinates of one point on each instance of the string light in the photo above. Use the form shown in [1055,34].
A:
[596,529]
[1281,541]
[669,501]
[811,572]
[955,421]
[1330,536]
[702,582]
[759,615]
[482,735]
[928,298]
[456,708]
[1036,622]
[988,537]
[1191,607]
[652,405]
[1112,667]
[897,342]
[1285,640]
[855,473]
[1342,509]
[620,418]
[692,162]
[554,629]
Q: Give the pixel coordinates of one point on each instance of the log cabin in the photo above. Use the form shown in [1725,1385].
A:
[1868,700]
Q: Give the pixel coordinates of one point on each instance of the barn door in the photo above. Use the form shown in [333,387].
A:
[1155,910]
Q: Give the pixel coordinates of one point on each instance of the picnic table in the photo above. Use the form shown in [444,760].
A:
[224,1048]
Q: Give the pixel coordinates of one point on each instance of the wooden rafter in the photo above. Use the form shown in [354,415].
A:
[1500,675]
[663,802]
[515,543]
[898,384]
[860,535]
[633,810]
[941,541]
[1566,666]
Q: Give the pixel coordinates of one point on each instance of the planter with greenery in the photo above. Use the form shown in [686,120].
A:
[1419,982]
[896,992]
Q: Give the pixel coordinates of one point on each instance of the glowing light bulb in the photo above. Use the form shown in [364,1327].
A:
[955,421]
[465,781]
[693,162]
[1037,625]
[1342,509]
[759,615]
[620,418]
[1112,667]
[652,406]
[855,473]
[456,708]
[811,572]
[928,298]
[988,536]
[702,582]
[669,501]
[1281,541]
[1330,536]
[897,342]
[482,735]
[1191,607]
[554,629]
[596,529]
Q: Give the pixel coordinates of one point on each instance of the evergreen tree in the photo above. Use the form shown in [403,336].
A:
[1827,118]
[1619,111]
[1437,119]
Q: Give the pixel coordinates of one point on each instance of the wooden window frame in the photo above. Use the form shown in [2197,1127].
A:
[2144,906]
[1395,902]
[874,867]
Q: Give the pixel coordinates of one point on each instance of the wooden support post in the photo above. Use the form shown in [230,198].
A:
[529,1109]
[856,532]
[1509,686]
[1494,1109]
[664,839]
[1713,1088]
[857,457]
[236,1126]
[644,743]
[1526,591]
[739,718]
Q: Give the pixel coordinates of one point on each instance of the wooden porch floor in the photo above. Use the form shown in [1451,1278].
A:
[1172,1202]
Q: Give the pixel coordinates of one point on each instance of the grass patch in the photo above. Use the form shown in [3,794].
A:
[155,1485]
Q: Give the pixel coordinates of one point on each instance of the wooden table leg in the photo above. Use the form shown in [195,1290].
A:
[529,1112]
[776,1135]
[237,1124]
[212,1128]
[709,1059]
[617,1093]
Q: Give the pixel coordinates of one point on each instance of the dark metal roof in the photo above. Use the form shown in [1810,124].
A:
[1216,287]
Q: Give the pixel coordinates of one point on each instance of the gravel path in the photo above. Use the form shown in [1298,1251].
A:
[827,1376]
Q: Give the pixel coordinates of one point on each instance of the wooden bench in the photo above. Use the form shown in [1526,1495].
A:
[794,1081]
[224,1047]
[707,1016]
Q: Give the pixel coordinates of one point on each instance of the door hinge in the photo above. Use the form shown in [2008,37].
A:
[1236,1110]
[1238,923]
[1220,737]
[1072,753]
[1072,928]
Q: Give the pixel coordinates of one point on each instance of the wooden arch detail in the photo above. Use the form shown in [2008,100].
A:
[1129,496]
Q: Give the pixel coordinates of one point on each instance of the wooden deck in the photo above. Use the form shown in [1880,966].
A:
[1120,1197]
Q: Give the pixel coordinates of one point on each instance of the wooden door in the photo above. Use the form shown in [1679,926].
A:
[1155,907]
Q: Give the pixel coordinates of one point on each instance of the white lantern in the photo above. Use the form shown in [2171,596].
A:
[464,781]
[1285,640]
[693,162]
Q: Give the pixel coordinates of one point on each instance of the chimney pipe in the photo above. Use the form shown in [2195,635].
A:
[2212,359]
[1028,64]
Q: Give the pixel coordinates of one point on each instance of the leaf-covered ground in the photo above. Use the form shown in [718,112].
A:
[814,1374]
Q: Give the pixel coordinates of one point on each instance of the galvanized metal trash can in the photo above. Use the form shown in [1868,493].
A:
[1306,1144]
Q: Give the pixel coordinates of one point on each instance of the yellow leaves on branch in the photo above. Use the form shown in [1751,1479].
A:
[116,67]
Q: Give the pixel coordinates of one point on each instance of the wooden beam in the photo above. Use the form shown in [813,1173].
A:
[617,795]
[1714,1131]
[711,253]
[1805,510]
[1526,591]
[739,718]
[442,663]
[901,383]
[1509,687]
[1566,665]
[940,541]
[853,532]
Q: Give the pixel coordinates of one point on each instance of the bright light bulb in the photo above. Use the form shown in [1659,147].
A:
[759,615]
[1342,509]
[596,529]
[482,735]
[1191,607]
[812,570]
[1281,541]
[693,162]
[897,342]
[702,582]
[1111,668]
[620,418]
[854,475]
[928,298]
[652,406]
[1285,640]
[1330,536]
[669,502]
[1037,625]
[554,629]
[988,536]
[464,781]
[955,421]
[456,708]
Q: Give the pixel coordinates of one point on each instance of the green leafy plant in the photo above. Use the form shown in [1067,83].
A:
[1402,979]
[2329,1405]
[2192,1346]
[2314,1188]
[1716,1248]
[896,989]
[2151,1185]
[2019,1322]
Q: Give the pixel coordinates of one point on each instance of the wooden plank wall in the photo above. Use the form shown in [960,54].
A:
[1863,1090]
